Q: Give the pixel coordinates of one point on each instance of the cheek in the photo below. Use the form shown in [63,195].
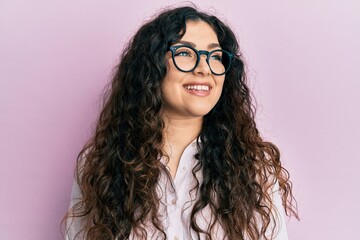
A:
[219,90]
[171,86]
[173,77]
[171,74]
[220,84]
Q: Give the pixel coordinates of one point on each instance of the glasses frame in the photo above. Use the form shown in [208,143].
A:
[199,53]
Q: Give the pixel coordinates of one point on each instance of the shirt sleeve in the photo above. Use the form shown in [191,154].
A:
[279,214]
[73,225]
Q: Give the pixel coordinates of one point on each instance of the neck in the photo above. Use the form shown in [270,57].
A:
[178,134]
[181,131]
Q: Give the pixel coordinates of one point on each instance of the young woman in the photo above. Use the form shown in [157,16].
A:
[176,153]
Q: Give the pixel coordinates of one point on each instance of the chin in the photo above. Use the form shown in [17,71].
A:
[200,113]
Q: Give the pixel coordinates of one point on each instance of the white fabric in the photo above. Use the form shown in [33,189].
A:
[176,208]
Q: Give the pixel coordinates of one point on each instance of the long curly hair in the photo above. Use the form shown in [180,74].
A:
[118,169]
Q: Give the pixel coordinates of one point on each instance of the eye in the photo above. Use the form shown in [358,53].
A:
[183,53]
[216,56]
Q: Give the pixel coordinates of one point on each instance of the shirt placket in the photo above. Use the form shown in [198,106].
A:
[178,228]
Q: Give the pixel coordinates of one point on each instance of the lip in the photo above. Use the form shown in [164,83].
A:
[198,92]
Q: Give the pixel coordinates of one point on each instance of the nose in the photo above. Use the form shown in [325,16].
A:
[203,67]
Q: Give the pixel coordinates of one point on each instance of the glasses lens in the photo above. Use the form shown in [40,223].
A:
[219,61]
[185,58]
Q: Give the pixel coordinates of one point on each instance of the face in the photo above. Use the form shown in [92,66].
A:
[192,94]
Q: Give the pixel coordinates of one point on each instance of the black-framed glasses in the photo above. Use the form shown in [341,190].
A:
[187,58]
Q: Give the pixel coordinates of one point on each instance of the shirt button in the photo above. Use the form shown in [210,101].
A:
[173,201]
[184,168]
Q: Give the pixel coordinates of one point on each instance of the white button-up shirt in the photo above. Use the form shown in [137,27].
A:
[177,203]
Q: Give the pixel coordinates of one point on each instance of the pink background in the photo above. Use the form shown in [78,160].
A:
[303,58]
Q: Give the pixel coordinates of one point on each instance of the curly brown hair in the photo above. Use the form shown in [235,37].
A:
[118,169]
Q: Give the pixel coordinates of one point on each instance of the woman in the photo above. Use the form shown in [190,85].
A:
[176,153]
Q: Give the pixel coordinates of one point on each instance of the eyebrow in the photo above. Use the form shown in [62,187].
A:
[210,46]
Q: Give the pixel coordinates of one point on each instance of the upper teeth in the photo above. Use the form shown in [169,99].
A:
[197,87]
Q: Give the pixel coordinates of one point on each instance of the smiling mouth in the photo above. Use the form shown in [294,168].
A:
[197,87]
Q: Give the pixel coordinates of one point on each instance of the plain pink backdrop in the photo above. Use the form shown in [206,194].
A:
[303,59]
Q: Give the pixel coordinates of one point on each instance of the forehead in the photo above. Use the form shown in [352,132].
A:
[200,33]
